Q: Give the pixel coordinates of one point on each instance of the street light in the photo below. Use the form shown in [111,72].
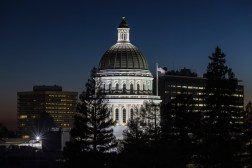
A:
[37,138]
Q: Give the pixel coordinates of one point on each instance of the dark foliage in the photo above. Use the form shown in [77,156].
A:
[141,138]
[93,143]
[152,118]
[248,134]
[222,144]
[180,131]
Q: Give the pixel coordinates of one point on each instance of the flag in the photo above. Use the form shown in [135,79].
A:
[161,70]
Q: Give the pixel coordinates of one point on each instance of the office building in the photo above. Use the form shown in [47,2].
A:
[60,105]
[187,82]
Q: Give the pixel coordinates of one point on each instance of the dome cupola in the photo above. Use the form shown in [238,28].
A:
[123,55]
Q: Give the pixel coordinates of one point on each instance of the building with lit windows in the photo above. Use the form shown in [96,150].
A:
[187,82]
[126,80]
[60,105]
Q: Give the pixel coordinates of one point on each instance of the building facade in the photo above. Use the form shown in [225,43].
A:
[187,82]
[60,105]
[126,80]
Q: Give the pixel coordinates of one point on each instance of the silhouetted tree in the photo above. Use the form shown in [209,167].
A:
[92,136]
[180,132]
[135,143]
[152,117]
[141,138]
[248,134]
[222,144]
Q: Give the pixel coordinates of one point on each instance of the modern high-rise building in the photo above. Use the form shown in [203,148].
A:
[126,79]
[60,105]
[187,82]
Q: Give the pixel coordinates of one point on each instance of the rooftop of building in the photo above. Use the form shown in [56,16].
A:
[182,72]
[47,88]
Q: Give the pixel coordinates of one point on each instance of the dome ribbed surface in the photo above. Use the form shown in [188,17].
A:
[123,56]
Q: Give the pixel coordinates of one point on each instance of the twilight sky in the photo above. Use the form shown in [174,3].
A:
[46,42]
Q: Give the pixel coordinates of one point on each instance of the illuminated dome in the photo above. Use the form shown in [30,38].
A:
[123,55]
[126,81]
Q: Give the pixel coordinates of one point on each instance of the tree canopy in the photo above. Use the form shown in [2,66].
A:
[92,138]
[222,120]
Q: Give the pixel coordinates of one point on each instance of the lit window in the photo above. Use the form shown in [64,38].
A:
[25,136]
[23,116]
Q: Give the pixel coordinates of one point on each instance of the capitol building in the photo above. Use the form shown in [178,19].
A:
[126,79]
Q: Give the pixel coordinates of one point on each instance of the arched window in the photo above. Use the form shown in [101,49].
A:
[117,115]
[110,88]
[131,114]
[117,87]
[138,88]
[124,88]
[110,113]
[104,89]
[124,115]
[143,87]
[131,88]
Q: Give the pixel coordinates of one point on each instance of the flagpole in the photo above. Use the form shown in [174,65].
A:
[157,79]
